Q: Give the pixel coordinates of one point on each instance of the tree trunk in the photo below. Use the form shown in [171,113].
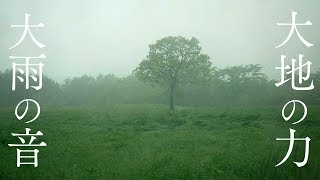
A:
[172,95]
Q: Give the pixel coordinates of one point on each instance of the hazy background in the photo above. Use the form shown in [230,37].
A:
[118,127]
[92,37]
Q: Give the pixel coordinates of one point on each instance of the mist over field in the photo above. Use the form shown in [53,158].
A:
[160,89]
[93,37]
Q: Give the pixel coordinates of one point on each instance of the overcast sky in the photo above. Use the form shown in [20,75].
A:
[101,36]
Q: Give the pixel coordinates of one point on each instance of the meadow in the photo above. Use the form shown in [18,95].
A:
[151,142]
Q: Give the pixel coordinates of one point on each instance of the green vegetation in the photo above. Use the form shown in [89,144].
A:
[224,126]
[173,61]
[234,86]
[151,142]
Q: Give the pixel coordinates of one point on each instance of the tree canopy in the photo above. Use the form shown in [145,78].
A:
[172,61]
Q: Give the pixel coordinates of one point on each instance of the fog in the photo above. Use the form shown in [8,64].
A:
[98,36]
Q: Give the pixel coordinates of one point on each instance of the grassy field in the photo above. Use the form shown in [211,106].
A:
[150,142]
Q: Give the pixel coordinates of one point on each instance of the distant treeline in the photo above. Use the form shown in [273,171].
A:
[233,86]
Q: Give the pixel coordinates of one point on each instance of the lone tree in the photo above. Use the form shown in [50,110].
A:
[173,61]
